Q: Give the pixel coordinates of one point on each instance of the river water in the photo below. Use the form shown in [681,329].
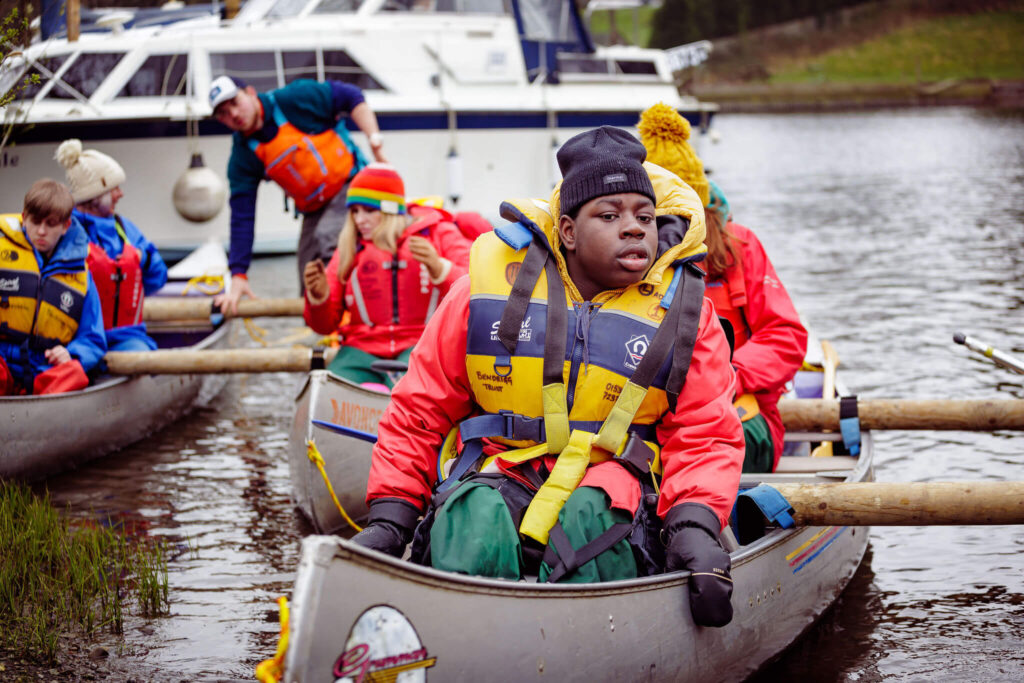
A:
[891,230]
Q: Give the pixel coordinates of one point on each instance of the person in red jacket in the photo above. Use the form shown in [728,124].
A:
[393,265]
[769,339]
[567,395]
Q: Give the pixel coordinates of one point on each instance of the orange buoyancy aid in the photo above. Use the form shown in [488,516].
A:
[388,288]
[43,310]
[729,295]
[311,169]
[118,282]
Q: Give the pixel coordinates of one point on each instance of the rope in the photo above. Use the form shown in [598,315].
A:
[314,454]
[271,670]
[206,284]
[258,334]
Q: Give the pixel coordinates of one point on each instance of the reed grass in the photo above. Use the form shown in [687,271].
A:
[60,578]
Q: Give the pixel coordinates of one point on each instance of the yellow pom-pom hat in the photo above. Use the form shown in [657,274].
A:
[665,134]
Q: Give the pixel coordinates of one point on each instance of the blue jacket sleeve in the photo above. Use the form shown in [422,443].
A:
[89,344]
[154,270]
[345,97]
[243,218]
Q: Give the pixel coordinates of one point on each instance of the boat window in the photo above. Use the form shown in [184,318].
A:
[463,6]
[582,64]
[338,66]
[337,6]
[50,64]
[86,73]
[299,65]
[545,20]
[258,69]
[159,76]
[286,8]
[637,66]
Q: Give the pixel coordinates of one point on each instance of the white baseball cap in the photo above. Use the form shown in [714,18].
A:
[223,89]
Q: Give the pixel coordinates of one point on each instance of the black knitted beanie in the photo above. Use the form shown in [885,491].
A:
[600,162]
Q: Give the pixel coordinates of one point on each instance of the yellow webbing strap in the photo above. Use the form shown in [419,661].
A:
[565,476]
[448,452]
[207,284]
[271,670]
[556,417]
[614,431]
[746,407]
[314,454]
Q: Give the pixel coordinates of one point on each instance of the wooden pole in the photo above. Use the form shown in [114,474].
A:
[959,415]
[906,504]
[74,19]
[189,362]
[159,309]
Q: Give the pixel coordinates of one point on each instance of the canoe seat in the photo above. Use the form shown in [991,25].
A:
[805,464]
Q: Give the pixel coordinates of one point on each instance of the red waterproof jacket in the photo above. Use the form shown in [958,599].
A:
[770,339]
[389,307]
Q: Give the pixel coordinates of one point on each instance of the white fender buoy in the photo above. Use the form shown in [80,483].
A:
[200,192]
[455,187]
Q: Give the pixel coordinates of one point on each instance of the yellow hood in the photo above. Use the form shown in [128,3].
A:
[673,197]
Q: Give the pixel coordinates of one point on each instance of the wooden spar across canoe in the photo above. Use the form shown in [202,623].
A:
[113,412]
[185,308]
[906,504]
[977,414]
[187,362]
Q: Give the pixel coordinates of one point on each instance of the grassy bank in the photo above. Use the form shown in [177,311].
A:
[61,581]
[987,45]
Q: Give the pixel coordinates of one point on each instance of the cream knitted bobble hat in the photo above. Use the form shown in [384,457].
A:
[89,173]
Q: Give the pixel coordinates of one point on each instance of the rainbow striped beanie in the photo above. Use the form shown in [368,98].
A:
[378,186]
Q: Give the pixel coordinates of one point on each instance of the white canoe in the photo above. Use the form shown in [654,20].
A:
[114,412]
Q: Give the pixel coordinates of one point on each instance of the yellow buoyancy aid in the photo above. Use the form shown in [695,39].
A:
[45,310]
[589,401]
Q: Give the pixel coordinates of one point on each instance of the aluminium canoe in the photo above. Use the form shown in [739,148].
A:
[360,615]
[113,412]
[329,398]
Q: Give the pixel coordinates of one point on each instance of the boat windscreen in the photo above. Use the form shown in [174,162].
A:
[548,21]
[43,68]
[337,6]
[85,74]
[258,69]
[159,76]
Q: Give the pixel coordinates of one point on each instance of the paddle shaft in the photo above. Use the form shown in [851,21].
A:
[906,504]
[1003,360]
[960,415]
[217,361]
[159,309]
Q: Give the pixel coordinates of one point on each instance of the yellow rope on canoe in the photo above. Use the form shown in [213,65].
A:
[258,334]
[206,284]
[271,670]
[314,454]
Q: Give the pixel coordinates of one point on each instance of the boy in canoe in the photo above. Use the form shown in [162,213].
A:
[568,411]
[51,327]
[124,264]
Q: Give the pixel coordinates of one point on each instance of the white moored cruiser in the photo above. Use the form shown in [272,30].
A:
[472,96]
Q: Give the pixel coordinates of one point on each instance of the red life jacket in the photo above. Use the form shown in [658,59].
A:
[311,169]
[118,282]
[729,295]
[392,289]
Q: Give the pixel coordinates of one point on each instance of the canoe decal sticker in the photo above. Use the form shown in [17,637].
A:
[802,556]
[355,415]
[383,646]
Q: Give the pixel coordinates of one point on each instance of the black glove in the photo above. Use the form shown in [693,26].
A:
[692,532]
[390,528]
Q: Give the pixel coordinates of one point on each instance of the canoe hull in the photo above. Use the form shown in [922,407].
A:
[330,398]
[98,420]
[623,631]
